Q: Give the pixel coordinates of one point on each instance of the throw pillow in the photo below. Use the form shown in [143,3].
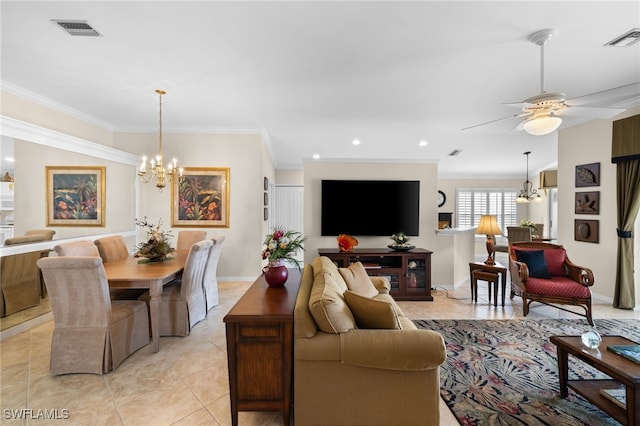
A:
[358,280]
[535,261]
[372,313]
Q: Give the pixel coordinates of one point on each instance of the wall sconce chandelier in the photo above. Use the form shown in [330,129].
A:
[527,193]
[163,175]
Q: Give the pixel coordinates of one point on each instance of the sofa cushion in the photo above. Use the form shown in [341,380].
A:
[558,286]
[535,261]
[324,265]
[554,257]
[555,261]
[371,313]
[328,307]
[357,280]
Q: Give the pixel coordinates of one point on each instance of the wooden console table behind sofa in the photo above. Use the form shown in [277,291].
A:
[260,348]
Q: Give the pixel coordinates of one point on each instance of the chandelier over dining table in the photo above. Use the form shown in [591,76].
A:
[157,169]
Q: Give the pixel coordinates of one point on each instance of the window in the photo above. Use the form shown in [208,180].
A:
[471,203]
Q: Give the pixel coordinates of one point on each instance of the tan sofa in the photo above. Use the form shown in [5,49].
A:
[347,375]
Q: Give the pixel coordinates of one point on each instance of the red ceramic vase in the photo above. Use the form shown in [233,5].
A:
[276,276]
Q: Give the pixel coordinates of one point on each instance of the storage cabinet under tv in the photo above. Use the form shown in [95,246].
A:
[409,272]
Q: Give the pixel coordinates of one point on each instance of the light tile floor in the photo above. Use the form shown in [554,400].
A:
[186,383]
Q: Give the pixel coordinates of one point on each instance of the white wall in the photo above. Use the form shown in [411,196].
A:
[248,162]
[583,144]
[314,172]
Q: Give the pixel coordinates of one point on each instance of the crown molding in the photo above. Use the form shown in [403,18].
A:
[48,103]
[31,133]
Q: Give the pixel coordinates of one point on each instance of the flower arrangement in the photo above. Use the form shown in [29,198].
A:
[530,224]
[400,239]
[282,245]
[157,246]
[346,243]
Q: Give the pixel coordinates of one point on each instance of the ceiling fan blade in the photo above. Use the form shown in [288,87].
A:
[518,104]
[522,114]
[609,96]
[590,112]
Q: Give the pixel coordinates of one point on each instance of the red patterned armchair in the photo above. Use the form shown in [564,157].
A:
[542,272]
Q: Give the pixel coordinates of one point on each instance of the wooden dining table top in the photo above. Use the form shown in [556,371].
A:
[130,270]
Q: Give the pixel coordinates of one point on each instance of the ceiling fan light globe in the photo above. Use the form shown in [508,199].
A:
[544,125]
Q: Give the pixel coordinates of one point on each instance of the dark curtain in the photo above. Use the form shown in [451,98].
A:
[626,153]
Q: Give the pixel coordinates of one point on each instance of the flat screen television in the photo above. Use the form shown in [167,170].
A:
[370,207]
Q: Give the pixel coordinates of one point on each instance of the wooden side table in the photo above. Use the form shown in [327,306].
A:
[260,348]
[496,268]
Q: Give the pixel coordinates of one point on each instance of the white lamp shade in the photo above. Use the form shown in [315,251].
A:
[542,124]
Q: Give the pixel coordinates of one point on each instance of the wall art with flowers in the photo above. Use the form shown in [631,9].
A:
[75,195]
[201,198]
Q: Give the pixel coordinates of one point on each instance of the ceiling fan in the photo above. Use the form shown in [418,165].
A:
[543,112]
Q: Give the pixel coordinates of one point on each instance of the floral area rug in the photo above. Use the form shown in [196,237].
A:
[505,372]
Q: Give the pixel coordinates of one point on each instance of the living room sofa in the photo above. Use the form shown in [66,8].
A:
[346,374]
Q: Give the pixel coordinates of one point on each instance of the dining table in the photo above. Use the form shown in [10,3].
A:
[134,273]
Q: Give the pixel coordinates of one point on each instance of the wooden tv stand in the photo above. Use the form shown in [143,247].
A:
[409,272]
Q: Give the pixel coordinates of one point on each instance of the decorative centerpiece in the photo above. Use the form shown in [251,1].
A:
[282,245]
[401,242]
[157,247]
[346,243]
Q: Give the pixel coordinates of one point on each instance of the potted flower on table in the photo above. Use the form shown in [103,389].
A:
[281,248]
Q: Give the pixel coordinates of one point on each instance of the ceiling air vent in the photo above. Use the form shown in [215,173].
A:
[626,39]
[76,28]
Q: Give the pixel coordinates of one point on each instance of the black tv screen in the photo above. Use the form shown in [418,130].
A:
[370,207]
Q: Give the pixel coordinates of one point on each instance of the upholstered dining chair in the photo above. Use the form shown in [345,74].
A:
[210,279]
[188,238]
[91,333]
[77,248]
[48,233]
[182,304]
[515,234]
[112,248]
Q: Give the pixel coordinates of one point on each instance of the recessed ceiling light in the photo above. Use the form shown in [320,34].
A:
[356,142]
[626,39]
[423,143]
[316,156]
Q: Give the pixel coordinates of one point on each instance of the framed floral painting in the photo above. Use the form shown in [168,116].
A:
[201,198]
[75,195]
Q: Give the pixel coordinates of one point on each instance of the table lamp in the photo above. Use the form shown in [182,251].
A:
[489,226]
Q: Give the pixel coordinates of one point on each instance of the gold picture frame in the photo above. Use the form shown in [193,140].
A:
[202,198]
[75,195]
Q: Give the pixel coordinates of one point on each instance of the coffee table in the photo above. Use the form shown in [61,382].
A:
[625,374]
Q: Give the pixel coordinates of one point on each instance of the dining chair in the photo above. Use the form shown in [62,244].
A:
[48,233]
[210,279]
[77,248]
[182,304]
[112,248]
[91,333]
[188,238]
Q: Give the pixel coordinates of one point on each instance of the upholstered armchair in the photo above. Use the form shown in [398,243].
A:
[182,304]
[542,272]
[210,279]
[91,333]
[188,238]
